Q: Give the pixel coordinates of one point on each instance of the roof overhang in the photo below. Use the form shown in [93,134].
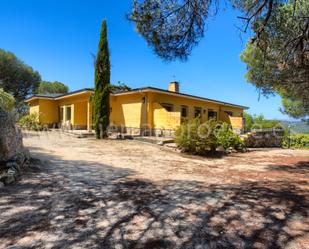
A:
[67,95]
[38,97]
[140,90]
[73,94]
[157,90]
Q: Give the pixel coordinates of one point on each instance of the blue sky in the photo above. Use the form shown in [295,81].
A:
[57,39]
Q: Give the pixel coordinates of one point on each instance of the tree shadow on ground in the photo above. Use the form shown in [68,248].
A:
[85,204]
[301,167]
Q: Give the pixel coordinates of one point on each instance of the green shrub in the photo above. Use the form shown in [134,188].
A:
[31,122]
[297,141]
[202,138]
[195,137]
[7,101]
[228,139]
[248,121]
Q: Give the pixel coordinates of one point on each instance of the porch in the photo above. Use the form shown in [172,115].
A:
[76,117]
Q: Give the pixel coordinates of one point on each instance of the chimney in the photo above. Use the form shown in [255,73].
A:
[174,87]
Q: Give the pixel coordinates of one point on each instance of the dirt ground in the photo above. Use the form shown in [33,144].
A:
[128,194]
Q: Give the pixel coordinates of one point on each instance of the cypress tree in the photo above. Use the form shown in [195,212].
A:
[101,106]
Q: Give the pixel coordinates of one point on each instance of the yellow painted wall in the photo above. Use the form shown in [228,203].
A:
[80,113]
[79,107]
[163,119]
[128,110]
[178,101]
[223,116]
[34,107]
[237,122]
[131,110]
[48,111]
[237,112]
[158,119]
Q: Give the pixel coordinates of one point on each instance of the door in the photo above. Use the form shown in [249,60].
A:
[68,114]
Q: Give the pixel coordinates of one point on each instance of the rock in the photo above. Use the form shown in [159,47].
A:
[11,142]
[1,185]
[14,165]
[11,171]
[13,156]
[10,178]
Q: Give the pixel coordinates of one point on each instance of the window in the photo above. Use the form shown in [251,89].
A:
[229,113]
[167,107]
[212,114]
[197,112]
[184,111]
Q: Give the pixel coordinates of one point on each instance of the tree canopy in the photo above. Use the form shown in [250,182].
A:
[277,55]
[279,63]
[7,101]
[174,27]
[119,87]
[16,77]
[46,87]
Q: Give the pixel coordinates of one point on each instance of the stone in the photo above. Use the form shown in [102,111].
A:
[11,142]
[14,166]
[13,156]
[11,171]
[9,179]
[264,138]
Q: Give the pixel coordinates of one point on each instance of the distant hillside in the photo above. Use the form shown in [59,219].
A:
[296,126]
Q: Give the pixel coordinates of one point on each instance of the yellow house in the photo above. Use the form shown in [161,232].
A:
[148,109]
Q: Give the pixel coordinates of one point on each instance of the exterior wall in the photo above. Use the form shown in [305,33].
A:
[131,110]
[48,111]
[164,119]
[80,114]
[79,108]
[89,116]
[171,120]
[178,102]
[137,110]
[34,107]
[237,123]
[128,110]
[191,104]
[237,112]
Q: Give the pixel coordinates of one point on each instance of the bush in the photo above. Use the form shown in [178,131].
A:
[202,138]
[195,137]
[248,121]
[228,139]
[7,101]
[31,122]
[297,141]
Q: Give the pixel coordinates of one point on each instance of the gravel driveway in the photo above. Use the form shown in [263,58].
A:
[127,194]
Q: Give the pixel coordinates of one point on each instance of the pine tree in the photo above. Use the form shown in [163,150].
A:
[101,106]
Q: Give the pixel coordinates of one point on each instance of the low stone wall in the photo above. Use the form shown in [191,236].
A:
[264,138]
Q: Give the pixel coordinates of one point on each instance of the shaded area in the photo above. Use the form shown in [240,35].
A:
[301,167]
[85,204]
